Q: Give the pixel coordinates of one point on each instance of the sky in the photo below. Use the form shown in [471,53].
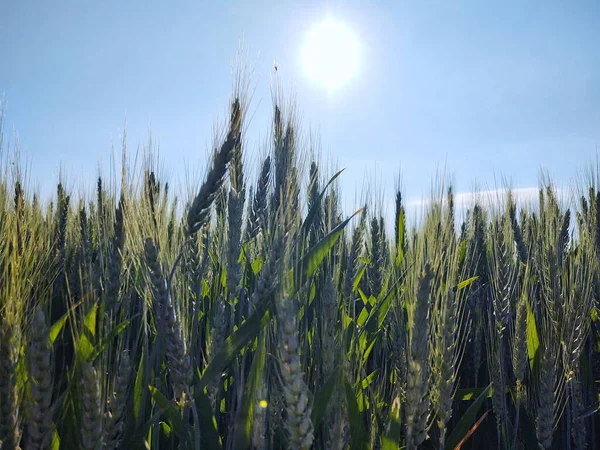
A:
[482,91]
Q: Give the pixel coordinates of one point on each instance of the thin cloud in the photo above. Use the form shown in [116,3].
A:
[469,199]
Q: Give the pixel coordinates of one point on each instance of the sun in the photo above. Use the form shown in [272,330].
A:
[330,54]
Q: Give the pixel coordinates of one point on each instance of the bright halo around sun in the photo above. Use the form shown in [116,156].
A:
[330,54]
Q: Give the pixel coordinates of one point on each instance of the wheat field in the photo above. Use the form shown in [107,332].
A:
[255,314]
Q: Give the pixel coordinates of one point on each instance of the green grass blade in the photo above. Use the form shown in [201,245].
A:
[87,339]
[533,340]
[467,420]
[243,429]
[466,283]
[312,212]
[400,241]
[390,440]
[322,398]
[109,337]
[209,435]
[57,327]
[138,388]
[309,263]
[358,434]
[240,338]
[168,410]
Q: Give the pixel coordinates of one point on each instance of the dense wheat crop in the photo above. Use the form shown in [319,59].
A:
[256,315]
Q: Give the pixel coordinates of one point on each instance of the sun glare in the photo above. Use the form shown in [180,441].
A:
[330,54]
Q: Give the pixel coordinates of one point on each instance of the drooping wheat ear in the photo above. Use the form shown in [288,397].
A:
[39,421]
[198,213]
[417,400]
[115,405]
[445,359]
[176,346]
[91,411]
[298,423]
[9,399]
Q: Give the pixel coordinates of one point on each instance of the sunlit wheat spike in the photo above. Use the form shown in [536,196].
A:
[298,422]
[446,355]
[198,212]
[417,400]
[377,264]
[170,324]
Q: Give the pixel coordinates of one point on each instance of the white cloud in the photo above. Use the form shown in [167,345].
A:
[488,197]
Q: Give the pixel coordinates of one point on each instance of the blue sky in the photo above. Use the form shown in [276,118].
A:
[484,89]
